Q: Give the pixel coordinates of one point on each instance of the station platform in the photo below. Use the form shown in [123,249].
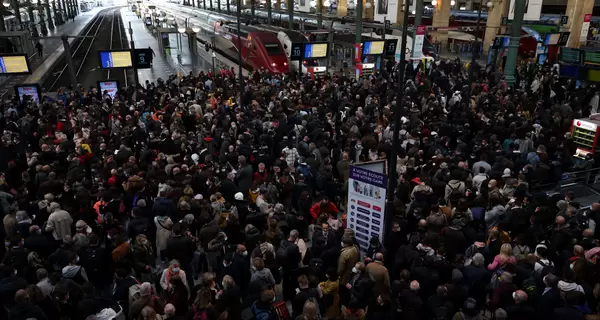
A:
[53,50]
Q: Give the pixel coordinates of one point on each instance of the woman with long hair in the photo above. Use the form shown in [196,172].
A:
[505,257]
[203,307]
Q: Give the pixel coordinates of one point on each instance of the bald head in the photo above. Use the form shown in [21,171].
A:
[588,233]
[415,286]
[520,296]
[560,220]
[21,297]
[578,250]
[379,256]
[422,223]
[169,310]
[531,258]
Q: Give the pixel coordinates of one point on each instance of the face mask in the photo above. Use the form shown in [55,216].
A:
[354,270]
[342,244]
[225,239]
[224,264]
[245,253]
[489,186]
[175,269]
[77,260]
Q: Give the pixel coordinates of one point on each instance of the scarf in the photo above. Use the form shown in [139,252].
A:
[168,276]
[142,242]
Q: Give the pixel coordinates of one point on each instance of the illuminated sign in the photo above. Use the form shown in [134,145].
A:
[570,55]
[111,87]
[368,65]
[31,90]
[551,39]
[14,64]
[390,47]
[585,125]
[590,57]
[115,59]
[373,47]
[315,50]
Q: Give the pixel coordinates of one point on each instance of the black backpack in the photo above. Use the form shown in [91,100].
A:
[282,254]
[441,313]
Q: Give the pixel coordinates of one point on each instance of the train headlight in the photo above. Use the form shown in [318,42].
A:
[273,64]
[285,64]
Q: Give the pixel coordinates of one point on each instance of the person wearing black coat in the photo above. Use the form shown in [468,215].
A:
[181,248]
[242,264]
[229,299]
[381,309]
[476,277]
[23,309]
[228,188]
[520,310]
[303,293]
[138,225]
[38,242]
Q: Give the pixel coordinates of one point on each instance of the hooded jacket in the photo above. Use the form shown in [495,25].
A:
[74,272]
[265,276]
[493,217]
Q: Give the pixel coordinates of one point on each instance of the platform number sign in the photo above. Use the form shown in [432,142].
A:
[142,58]
[296,51]
[390,47]
[563,39]
[564,20]
[388,25]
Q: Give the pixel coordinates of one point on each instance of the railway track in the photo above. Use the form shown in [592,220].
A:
[99,34]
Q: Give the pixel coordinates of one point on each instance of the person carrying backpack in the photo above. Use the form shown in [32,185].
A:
[262,309]
[455,189]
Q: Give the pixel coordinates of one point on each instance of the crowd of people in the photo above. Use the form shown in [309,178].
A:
[186,199]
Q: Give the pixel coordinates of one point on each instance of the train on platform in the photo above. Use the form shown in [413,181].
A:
[259,49]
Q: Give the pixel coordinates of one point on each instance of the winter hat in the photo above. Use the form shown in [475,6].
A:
[239,196]
[507,173]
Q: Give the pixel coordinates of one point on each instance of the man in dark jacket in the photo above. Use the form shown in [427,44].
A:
[24,309]
[38,242]
[244,175]
[138,225]
[96,261]
[476,278]
[304,293]
[549,299]
[164,206]
[520,310]
[228,188]
[289,263]
[454,240]
[181,248]
[240,262]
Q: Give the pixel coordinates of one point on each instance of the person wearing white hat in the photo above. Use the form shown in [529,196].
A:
[239,196]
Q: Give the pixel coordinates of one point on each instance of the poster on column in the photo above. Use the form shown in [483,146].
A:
[303,5]
[419,40]
[585,28]
[533,10]
[366,204]
[386,10]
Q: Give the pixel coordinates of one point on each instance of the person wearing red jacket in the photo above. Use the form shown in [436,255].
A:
[324,206]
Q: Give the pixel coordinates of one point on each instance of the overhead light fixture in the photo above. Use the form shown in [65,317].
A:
[452,2]
[196,28]
[490,4]
[414,12]
[6,3]
[351,6]
[368,5]
[326,3]
[313,3]
[181,29]
[434,3]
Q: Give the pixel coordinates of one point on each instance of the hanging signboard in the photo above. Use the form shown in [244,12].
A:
[533,10]
[570,55]
[366,204]
[386,10]
[303,5]
[390,47]
[142,58]
[419,40]
[585,28]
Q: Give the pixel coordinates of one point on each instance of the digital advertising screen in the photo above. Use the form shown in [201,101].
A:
[551,39]
[111,86]
[14,64]
[116,59]
[373,47]
[32,90]
[315,50]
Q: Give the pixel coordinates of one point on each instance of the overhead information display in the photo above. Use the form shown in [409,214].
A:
[315,50]
[14,64]
[115,59]
[591,58]
[570,55]
[373,47]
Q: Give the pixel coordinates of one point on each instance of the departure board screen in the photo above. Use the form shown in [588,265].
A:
[14,64]
[31,90]
[591,58]
[570,55]
[315,50]
[115,59]
[373,47]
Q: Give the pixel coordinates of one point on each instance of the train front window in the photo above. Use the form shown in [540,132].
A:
[273,49]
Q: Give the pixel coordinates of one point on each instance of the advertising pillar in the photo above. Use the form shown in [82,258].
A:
[577,11]
[441,19]
[494,24]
